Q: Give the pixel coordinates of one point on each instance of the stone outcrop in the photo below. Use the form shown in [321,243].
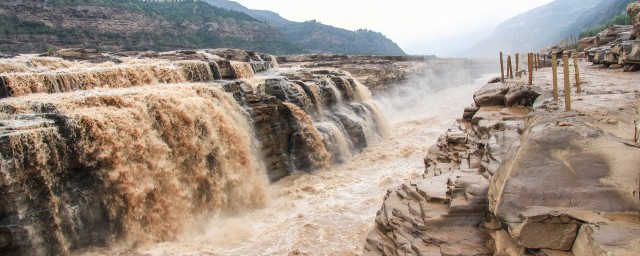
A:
[499,94]
[633,9]
[573,180]
[446,211]
[617,46]
[525,180]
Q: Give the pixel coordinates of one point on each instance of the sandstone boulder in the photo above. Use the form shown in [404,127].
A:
[584,170]
[522,96]
[633,9]
[632,52]
[601,240]
[490,95]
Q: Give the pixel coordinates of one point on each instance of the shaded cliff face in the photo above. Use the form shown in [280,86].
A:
[33,26]
[133,149]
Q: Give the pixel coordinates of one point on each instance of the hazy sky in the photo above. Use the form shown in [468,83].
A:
[440,27]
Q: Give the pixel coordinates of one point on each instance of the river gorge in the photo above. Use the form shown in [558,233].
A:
[182,146]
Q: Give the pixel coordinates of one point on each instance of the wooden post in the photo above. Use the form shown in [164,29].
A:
[567,85]
[506,69]
[554,68]
[535,63]
[510,67]
[544,61]
[530,60]
[501,68]
[577,70]
[517,62]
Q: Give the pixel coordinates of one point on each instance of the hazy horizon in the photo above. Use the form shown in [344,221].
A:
[443,28]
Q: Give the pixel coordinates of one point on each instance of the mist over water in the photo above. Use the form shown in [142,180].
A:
[330,211]
[429,90]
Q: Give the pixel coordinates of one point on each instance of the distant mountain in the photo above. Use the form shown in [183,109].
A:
[268,16]
[28,26]
[547,25]
[320,38]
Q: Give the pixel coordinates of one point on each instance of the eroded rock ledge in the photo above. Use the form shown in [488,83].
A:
[516,177]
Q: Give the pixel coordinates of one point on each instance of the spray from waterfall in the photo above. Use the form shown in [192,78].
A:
[414,96]
[335,140]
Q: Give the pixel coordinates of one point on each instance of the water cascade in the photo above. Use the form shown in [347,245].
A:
[135,151]
[133,163]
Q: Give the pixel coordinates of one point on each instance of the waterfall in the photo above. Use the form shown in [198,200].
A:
[335,140]
[313,147]
[148,160]
[117,76]
[134,151]
[313,92]
[241,70]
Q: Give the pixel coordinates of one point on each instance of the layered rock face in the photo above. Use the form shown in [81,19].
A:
[511,181]
[446,211]
[132,147]
[617,46]
[614,48]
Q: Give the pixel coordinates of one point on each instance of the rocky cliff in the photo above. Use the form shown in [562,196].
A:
[132,147]
[534,180]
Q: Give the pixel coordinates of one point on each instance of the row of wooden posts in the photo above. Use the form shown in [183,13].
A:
[533,63]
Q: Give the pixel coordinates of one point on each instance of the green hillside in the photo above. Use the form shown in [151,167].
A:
[27,26]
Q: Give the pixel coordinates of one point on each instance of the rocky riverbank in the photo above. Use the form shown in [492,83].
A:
[520,176]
